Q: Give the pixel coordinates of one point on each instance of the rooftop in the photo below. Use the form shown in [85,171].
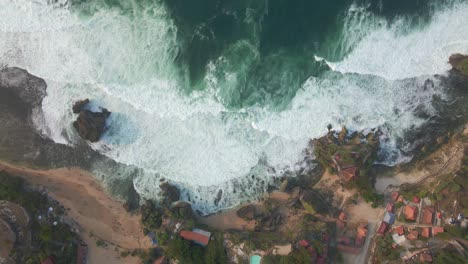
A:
[411,212]
[428,215]
[196,237]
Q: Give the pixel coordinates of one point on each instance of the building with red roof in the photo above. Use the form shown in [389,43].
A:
[428,216]
[413,235]
[416,199]
[395,196]
[389,207]
[437,230]
[382,228]
[196,237]
[399,230]
[426,232]
[349,173]
[411,212]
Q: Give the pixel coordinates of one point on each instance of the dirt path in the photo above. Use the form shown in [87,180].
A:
[91,208]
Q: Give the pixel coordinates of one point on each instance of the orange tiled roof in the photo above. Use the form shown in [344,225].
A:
[196,237]
[411,212]
[399,230]
[426,232]
[413,235]
[437,230]
[428,215]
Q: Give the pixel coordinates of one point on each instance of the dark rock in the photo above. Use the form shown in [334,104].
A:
[247,212]
[28,88]
[91,125]
[78,105]
[170,193]
[218,197]
[460,63]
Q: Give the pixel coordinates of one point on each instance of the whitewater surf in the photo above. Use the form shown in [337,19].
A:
[222,100]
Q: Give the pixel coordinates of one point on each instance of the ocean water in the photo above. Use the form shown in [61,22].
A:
[220,97]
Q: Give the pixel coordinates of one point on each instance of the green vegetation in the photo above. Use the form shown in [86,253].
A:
[451,257]
[300,255]
[384,251]
[352,151]
[187,252]
[46,240]
[150,216]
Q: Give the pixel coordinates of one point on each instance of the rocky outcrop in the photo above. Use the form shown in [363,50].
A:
[170,193]
[247,212]
[78,105]
[460,63]
[28,88]
[91,125]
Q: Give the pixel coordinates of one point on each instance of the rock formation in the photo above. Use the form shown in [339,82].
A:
[170,193]
[460,63]
[91,125]
[28,88]
[78,105]
[247,212]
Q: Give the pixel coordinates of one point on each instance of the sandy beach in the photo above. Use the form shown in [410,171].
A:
[98,215]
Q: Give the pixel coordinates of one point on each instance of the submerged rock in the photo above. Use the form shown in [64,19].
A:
[91,125]
[78,105]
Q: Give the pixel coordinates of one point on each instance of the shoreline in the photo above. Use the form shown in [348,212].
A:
[98,215]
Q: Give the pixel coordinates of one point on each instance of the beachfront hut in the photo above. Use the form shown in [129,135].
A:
[255,259]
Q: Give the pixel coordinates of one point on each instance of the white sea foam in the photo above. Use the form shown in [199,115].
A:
[390,51]
[193,140]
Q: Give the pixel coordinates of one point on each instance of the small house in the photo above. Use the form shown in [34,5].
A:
[197,236]
[395,196]
[428,216]
[426,232]
[399,230]
[437,230]
[382,228]
[411,212]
